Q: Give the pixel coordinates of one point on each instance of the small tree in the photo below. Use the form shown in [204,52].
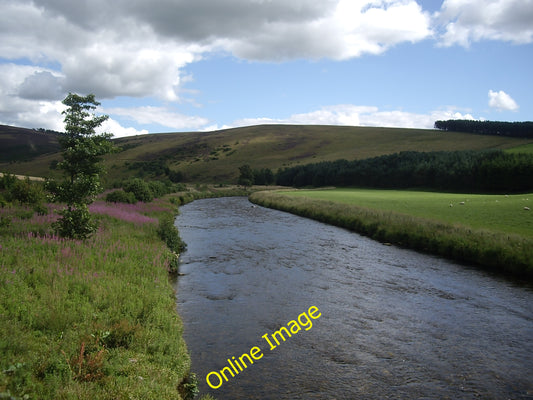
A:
[246,177]
[82,151]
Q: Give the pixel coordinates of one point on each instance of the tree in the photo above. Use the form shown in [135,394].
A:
[246,177]
[82,151]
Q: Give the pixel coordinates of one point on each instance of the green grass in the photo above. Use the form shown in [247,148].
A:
[91,319]
[502,213]
[476,232]
[525,148]
[216,156]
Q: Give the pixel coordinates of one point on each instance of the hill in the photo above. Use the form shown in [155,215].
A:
[216,156]
[21,144]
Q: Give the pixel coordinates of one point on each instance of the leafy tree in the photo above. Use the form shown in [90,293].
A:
[82,151]
[246,177]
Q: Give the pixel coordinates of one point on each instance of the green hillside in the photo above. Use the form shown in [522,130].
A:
[216,156]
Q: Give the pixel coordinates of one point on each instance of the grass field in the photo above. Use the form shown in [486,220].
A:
[494,232]
[525,148]
[502,213]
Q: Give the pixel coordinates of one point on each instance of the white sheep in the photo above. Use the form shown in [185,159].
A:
[462,203]
[526,208]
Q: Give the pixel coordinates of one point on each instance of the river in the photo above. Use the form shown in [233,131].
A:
[394,323]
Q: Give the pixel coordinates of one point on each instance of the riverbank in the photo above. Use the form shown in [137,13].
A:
[508,253]
[92,319]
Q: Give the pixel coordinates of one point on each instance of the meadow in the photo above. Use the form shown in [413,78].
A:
[492,231]
[92,319]
[502,213]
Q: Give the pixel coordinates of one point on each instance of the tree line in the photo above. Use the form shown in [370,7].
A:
[514,129]
[487,171]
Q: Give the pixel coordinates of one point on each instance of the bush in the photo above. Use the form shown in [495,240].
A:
[75,223]
[158,188]
[120,196]
[27,192]
[140,189]
[7,181]
[168,232]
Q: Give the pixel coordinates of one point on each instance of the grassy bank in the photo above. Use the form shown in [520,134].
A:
[472,232]
[89,320]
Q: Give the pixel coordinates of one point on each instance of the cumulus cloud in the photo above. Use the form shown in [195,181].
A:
[349,29]
[115,128]
[501,101]
[354,115]
[41,85]
[161,116]
[139,47]
[467,21]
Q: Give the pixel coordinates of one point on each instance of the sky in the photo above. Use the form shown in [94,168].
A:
[202,65]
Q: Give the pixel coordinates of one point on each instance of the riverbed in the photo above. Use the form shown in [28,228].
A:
[393,323]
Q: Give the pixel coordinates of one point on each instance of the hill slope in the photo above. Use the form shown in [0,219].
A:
[21,144]
[216,156]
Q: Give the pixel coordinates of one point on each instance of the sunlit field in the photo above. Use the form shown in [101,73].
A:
[503,213]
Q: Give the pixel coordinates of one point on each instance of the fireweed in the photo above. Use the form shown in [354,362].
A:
[93,319]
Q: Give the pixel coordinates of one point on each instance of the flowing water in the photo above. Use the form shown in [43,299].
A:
[394,324]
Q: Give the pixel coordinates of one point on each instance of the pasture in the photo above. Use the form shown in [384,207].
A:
[502,213]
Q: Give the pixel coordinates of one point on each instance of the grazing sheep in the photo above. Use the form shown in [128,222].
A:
[451,204]
[526,208]
[462,203]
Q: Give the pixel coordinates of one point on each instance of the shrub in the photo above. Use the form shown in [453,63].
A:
[7,181]
[168,232]
[158,188]
[140,189]
[75,223]
[120,196]
[27,192]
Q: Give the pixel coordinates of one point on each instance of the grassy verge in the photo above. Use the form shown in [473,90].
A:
[94,319]
[413,227]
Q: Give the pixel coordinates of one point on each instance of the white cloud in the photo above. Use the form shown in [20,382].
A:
[20,111]
[354,115]
[349,29]
[502,101]
[139,47]
[112,126]
[161,116]
[467,21]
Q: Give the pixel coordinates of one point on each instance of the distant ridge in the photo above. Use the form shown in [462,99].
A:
[216,156]
[22,144]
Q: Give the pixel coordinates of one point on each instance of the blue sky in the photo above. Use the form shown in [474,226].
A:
[180,65]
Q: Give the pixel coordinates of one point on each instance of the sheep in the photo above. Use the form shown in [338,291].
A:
[526,208]
[462,203]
